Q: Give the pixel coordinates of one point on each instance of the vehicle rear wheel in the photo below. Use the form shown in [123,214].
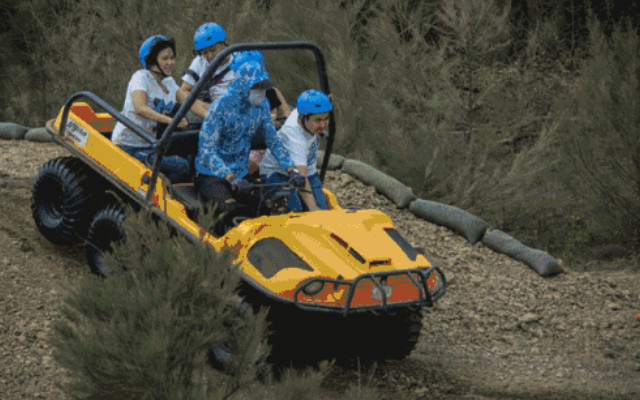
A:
[105,230]
[62,200]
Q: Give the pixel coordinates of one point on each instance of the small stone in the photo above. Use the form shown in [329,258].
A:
[529,317]
[612,306]
[508,327]
[421,391]
[450,277]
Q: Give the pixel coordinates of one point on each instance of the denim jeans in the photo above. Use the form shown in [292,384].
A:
[175,168]
[295,202]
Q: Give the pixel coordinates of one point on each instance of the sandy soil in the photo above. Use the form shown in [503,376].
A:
[501,331]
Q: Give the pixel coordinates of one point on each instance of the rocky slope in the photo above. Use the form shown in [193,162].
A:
[500,332]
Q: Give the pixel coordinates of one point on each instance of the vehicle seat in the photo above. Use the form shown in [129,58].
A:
[187,194]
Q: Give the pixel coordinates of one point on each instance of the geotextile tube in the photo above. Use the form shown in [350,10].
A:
[38,135]
[11,131]
[538,260]
[393,189]
[454,218]
[335,160]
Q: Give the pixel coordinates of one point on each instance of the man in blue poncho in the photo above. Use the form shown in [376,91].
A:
[225,142]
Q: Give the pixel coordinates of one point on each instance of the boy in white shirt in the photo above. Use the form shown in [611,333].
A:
[299,134]
[208,41]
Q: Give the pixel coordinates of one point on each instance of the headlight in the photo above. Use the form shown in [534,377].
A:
[313,288]
[434,282]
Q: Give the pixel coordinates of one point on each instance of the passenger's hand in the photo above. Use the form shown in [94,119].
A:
[241,186]
[296,180]
[183,124]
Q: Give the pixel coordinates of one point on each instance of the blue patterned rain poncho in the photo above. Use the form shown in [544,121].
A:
[230,124]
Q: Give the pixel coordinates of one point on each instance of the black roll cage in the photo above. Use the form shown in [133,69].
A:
[161,145]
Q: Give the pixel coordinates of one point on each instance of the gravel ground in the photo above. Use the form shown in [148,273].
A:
[501,331]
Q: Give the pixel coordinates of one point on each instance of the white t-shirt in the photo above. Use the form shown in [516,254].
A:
[301,145]
[143,80]
[199,66]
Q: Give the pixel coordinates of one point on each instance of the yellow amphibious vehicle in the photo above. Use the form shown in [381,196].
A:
[340,276]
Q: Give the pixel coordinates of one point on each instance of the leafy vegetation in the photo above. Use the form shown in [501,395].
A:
[147,330]
[523,112]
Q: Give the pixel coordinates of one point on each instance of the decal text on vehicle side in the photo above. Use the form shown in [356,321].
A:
[76,133]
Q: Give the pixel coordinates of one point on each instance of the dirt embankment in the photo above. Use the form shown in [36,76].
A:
[501,331]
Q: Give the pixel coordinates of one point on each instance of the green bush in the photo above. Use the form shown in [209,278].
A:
[144,332]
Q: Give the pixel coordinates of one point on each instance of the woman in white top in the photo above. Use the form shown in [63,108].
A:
[299,134]
[151,94]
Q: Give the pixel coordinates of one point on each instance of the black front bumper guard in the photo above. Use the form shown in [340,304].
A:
[426,298]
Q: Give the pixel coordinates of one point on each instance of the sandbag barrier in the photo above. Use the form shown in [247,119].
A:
[538,260]
[454,218]
[393,189]
[473,228]
[11,131]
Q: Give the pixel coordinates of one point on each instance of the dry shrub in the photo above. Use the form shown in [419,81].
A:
[602,136]
[426,91]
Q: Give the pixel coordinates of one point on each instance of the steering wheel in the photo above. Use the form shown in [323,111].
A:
[272,199]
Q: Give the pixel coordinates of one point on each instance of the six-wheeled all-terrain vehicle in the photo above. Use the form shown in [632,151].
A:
[341,277]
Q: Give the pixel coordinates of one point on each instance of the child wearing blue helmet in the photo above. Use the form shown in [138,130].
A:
[208,41]
[151,94]
[299,135]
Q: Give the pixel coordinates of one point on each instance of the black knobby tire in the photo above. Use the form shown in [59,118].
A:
[404,336]
[219,356]
[105,230]
[62,200]
[396,335]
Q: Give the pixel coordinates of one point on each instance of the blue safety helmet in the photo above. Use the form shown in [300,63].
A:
[152,46]
[242,57]
[207,35]
[313,102]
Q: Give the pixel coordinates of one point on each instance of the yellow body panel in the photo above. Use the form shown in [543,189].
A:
[337,244]
[309,235]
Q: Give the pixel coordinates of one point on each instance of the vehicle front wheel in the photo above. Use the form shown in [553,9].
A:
[105,230]
[396,335]
[62,200]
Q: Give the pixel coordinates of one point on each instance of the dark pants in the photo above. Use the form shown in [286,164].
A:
[175,168]
[218,191]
